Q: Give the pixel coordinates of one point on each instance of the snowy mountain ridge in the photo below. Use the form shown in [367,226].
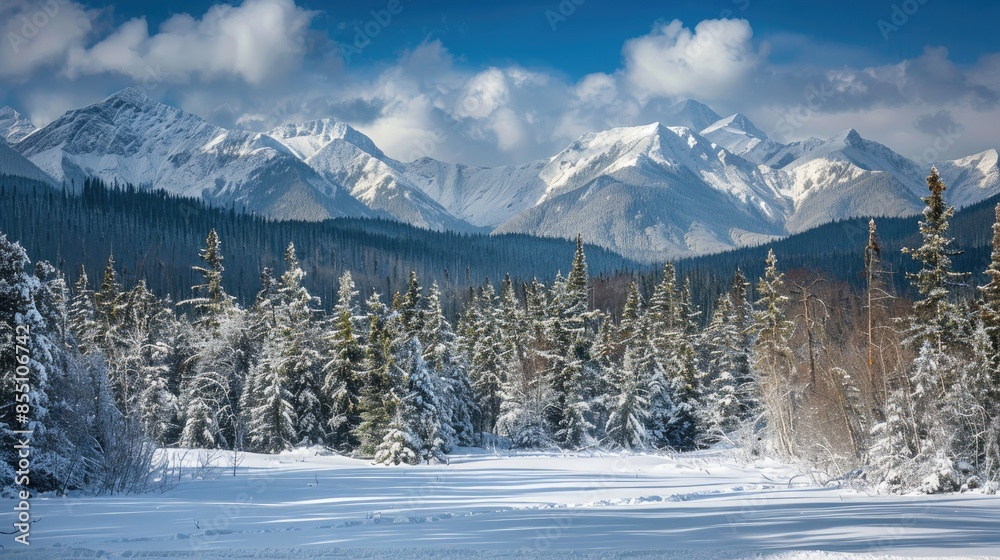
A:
[691,184]
[14,127]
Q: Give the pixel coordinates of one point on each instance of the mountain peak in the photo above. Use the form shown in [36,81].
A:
[8,112]
[849,137]
[690,113]
[14,127]
[737,122]
[129,95]
[308,137]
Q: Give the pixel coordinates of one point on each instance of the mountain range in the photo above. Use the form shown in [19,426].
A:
[695,183]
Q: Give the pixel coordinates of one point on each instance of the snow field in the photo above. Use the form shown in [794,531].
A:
[303,504]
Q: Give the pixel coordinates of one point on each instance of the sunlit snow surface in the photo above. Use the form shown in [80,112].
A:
[528,505]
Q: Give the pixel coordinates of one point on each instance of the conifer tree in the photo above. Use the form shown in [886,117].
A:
[632,379]
[107,303]
[991,304]
[221,361]
[81,315]
[722,401]
[569,408]
[578,284]
[935,317]
[380,387]
[443,356]
[342,371]
[743,319]
[296,340]
[482,341]
[773,358]
[400,445]
[273,421]
[215,302]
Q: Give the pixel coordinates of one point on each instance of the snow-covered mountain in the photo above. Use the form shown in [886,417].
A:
[482,196]
[848,176]
[654,190]
[740,136]
[971,179]
[14,127]
[131,138]
[691,114]
[691,184]
[347,157]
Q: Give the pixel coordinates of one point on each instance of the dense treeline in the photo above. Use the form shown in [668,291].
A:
[151,235]
[845,375]
[830,251]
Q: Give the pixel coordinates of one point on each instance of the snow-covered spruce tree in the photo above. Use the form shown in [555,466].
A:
[935,317]
[81,315]
[568,407]
[722,398]
[673,398]
[527,349]
[342,370]
[685,386]
[410,306]
[483,342]
[210,396]
[108,307]
[296,341]
[442,354]
[987,350]
[743,318]
[380,385]
[271,411]
[415,433]
[145,354]
[934,373]
[424,400]
[638,373]
[991,307]
[214,302]
[399,445]
[773,359]
[574,374]
[892,447]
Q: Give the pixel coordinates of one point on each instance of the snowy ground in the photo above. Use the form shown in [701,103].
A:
[301,505]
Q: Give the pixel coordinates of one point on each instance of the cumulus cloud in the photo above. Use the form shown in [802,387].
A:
[38,35]
[674,61]
[253,42]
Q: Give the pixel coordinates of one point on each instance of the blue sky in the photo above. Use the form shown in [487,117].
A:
[503,82]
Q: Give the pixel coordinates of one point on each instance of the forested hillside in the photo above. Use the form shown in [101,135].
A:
[152,236]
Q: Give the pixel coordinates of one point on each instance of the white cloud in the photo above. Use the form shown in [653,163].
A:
[483,93]
[428,102]
[254,42]
[674,61]
[39,34]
